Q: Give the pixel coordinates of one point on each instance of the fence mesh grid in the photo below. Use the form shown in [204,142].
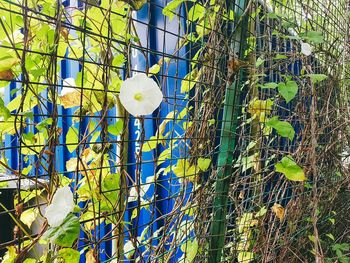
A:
[242,158]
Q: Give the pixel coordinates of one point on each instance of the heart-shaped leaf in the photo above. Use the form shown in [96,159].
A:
[283,128]
[288,90]
[65,234]
[290,169]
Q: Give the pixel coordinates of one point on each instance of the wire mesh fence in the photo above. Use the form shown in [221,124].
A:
[173,131]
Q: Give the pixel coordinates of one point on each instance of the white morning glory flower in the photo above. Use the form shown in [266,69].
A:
[140,95]
[306,49]
[69,97]
[62,204]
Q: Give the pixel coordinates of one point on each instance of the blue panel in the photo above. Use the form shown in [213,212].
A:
[139,64]
[167,35]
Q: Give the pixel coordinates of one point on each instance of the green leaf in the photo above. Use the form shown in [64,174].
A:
[69,255]
[288,90]
[170,8]
[290,169]
[154,70]
[3,184]
[280,56]
[137,4]
[189,81]
[316,78]
[151,144]
[313,36]
[110,190]
[10,255]
[196,12]
[4,112]
[190,248]
[283,128]
[245,257]
[72,139]
[259,61]
[118,60]
[7,63]
[42,125]
[270,85]
[65,234]
[116,128]
[29,216]
[203,164]
[330,236]
[30,260]
[261,212]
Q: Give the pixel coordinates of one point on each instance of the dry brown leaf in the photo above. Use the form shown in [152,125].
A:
[90,257]
[6,75]
[279,211]
[70,99]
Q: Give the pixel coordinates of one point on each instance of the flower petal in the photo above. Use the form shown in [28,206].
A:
[306,49]
[62,204]
[151,95]
[55,215]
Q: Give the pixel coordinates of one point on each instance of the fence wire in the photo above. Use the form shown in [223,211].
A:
[174,131]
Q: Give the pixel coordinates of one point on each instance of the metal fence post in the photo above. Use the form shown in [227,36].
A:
[227,139]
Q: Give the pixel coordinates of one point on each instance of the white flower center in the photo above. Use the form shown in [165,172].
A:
[138,96]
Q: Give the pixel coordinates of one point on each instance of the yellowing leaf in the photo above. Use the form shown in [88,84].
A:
[7,63]
[10,255]
[34,146]
[71,99]
[29,216]
[69,255]
[190,81]
[190,249]
[166,154]
[154,70]
[203,164]
[279,211]
[290,169]
[246,221]
[245,257]
[150,144]
[72,139]
[257,107]
[129,249]
[184,169]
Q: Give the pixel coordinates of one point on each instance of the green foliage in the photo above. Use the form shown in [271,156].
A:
[190,249]
[203,164]
[65,234]
[283,128]
[313,36]
[196,12]
[316,78]
[72,139]
[288,90]
[290,169]
[4,112]
[116,128]
[169,9]
[69,255]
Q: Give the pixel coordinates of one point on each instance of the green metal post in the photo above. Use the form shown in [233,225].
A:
[227,143]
